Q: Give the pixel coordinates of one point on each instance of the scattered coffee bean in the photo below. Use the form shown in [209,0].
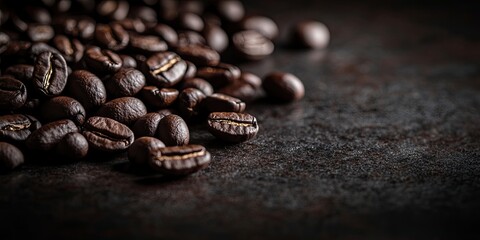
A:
[125,83]
[240,90]
[133,24]
[220,75]
[49,135]
[199,55]
[102,61]
[252,45]
[73,146]
[251,79]
[13,93]
[216,38]
[311,34]
[17,127]
[107,135]
[40,32]
[173,131]
[128,61]
[50,74]
[140,150]
[189,102]
[71,50]
[165,32]
[190,21]
[22,72]
[284,87]
[199,84]
[159,97]
[147,44]
[147,125]
[230,10]
[87,88]
[179,160]
[10,157]
[63,107]
[232,127]
[219,102]
[164,69]
[125,110]
[191,70]
[264,25]
[82,28]
[188,38]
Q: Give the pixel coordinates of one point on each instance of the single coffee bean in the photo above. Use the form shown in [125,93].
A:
[50,74]
[164,69]
[10,157]
[17,127]
[13,93]
[147,44]
[82,28]
[189,102]
[219,102]
[125,83]
[146,14]
[4,41]
[252,45]
[147,125]
[283,86]
[190,21]
[102,61]
[133,24]
[128,61]
[139,151]
[199,84]
[125,110]
[159,98]
[216,38]
[187,38]
[311,34]
[230,10]
[63,107]
[87,88]
[179,160]
[199,55]
[220,75]
[173,131]
[107,135]
[241,90]
[232,127]
[112,36]
[49,135]
[191,70]
[165,32]
[22,72]
[73,146]
[71,50]
[251,79]
[41,47]
[264,25]
[40,33]
[115,10]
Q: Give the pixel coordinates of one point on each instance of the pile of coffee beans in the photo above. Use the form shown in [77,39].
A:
[83,78]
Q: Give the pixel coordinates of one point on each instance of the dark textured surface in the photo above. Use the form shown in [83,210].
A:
[384,145]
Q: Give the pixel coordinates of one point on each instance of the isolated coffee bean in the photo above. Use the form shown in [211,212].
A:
[102,61]
[147,125]
[251,79]
[199,84]
[10,157]
[230,10]
[199,55]
[107,135]
[125,110]
[165,32]
[73,146]
[190,21]
[179,160]
[164,69]
[219,102]
[13,93]
[22,72]
[216,38]
[232,127]
[190,102]
[71,50]
[128,61]
[124,83]
[17,127]
[40,32]
[87,88]
[139,151]
[63,107]
[147,44]
[50,74]
[191,70]
[281,86]
[49,135]
[220,75]
[159,97]
[264,25]
[252,45]
[311,34]
[173,131]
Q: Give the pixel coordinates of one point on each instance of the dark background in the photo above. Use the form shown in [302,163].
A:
[385,145]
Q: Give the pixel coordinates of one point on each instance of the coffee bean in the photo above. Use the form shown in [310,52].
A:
[18,49]
[77,27]
[164,69]
[49,135]
[173,131]
[220,75]
[50,74]
[191,70]
[165,32]
[190,21]
[146,14]
[281,86]
[133,25]
[63,107]
[10,157]
[112,36]
[107,135]
[179,160]
[264,25]
[71,50]
[87,88]
[128,61]
[22,72]
[199,84]
[139,151]
[125,110]
[115,10]
[232,127]
[37,14]
[125,83]
[40,33]
[73,146]
[17,127]
[189,102]
[147,125]
[187,38]
[4,41]
[147,44]
[241,90]
[166,112]
[199,55]
[41,47]
[219,102]
[251,79]
[252,45]
[216,38]
[311,34]
[230,10]
[102,61]
[159,98]
[13,93]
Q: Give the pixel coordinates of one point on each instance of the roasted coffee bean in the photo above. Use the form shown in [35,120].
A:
[165,32]
[115,10]
[189,102]
[220,75]
[128,61]
[49,135]
[199,84]
[17,127]
[37,14]
[139,151]
[166,112]
[199,55]
[4,41]
[179,160]
[186,38]
[82,28]
[191,70]
[10,157]
[311,34]
[216,38]
[147,44]
[41,47]
[281,86]
[63,107]
[125,110]
[173,131]
[71,50]
[264,25]
[241,90]
[125,83]
[73,146]
[102,61]
[164,69]
[219,102]
[146,14]
[22,72]
[159,97]
[147,125]
[230,10]
[252,45]
[107,135]
[132,24]
[87,88]
[40,33]
[232,127]
[251,79]
[112,36]
[50,74]
[190,21]
[13,93]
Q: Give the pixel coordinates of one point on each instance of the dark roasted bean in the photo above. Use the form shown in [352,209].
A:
[147,125]
[115,10]
[146,14]
[128,61]
[125,110]
[159,97]
[49,135]
[82,28]
[219,102]
[139,151]
[264,25]
[186,38]
[199,55]
[311,34]
[283,86]
[112,36]
[216,38]
[147,44]
[73,145]
[107,135]
[173,131]
[10,157]
[133,24]
[241,90]
[252,45]
[251,79]
[230,10]
[165,32]
[17,127]
[41,47]
[232,127]
[22,72]
[87,88]
[199,84]
[50,74]
[191,71]
[40,33]
[164,69]
[179,160]
[62,107]
[102,61]
[189,102]
[71,50]
[190,21]
[220,75]
[13,93]
[125,83]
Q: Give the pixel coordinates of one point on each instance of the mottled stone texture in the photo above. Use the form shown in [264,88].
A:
[385,145]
